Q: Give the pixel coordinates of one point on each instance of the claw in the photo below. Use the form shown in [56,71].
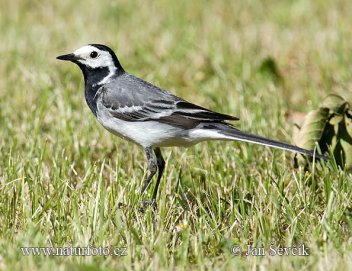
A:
[146,204]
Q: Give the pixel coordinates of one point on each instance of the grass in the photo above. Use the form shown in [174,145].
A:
[63,177]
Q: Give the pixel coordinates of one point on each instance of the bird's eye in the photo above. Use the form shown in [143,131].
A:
[93,54]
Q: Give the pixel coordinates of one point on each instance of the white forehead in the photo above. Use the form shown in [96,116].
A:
[85,50]
[104,58]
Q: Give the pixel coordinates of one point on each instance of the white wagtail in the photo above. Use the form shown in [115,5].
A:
[149,116]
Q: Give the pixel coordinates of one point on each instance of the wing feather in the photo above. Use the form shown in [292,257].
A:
[145,102]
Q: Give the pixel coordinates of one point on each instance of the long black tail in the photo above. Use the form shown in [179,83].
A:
[235,134]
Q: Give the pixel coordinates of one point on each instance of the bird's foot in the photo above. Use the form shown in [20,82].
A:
[146,204]
[122,205]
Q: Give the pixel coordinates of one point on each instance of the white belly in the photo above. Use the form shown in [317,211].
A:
[153,133]
[144,133]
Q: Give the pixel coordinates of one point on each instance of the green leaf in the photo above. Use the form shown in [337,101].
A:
[312,128]
[336,119]
[345,138]
[333,102]
[330,126]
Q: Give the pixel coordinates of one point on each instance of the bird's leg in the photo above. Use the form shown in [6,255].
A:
[161,166]
[153,166]
[156,162]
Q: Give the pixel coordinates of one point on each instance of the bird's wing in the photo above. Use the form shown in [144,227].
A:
[138,100]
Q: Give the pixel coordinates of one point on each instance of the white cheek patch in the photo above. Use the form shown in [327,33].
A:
[104,58]
[91,63]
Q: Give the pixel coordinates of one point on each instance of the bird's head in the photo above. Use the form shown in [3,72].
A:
[95,60]
[93,56]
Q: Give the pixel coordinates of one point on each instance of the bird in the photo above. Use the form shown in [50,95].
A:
[150,116]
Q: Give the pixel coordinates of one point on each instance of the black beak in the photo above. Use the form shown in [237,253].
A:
[68,57]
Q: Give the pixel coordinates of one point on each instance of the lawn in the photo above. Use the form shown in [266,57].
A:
[66,182]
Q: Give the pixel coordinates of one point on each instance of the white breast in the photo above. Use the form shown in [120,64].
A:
[153,133]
